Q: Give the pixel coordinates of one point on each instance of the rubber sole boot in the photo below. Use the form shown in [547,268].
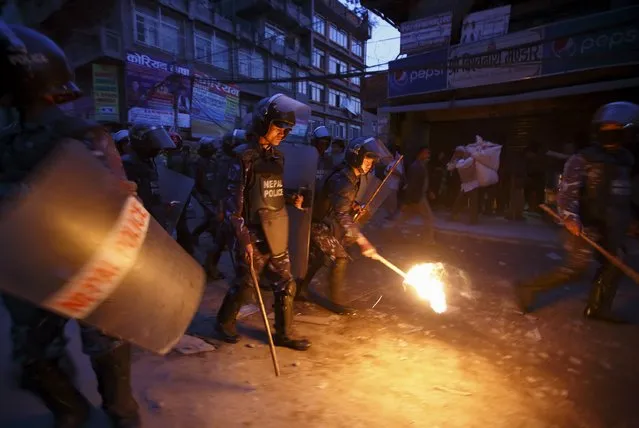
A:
[113,373]
[602,295]
[283,322]
[336,288]
[49,383]
[302,290]
[227,316]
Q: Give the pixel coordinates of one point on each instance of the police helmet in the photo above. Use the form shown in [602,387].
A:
[616,123]
[359,149]
[35,68]
[321,135]
[206,148]
[149,140]
[234,138]
[278,110]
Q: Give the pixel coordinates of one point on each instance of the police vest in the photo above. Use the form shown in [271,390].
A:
[266,188]
[222,168]
[608,190]
[145,174]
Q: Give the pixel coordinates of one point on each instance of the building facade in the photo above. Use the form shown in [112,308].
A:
[201,65]
[531,77]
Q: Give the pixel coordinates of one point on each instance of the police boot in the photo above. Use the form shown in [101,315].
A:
[336,286]
[284,320]
[602,295]
[225,324]
[113,372]
[46,380]
[302,292]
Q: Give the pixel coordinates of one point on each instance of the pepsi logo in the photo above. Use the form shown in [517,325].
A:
[400,77]
[563,48]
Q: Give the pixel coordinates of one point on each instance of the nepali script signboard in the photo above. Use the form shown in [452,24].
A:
[513,57]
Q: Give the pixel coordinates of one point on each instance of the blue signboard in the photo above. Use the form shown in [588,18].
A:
[594,41]
[418,74]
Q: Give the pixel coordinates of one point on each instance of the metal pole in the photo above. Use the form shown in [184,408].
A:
[271,345]
[631,273]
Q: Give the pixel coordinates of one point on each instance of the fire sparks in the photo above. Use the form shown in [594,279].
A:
[427,280]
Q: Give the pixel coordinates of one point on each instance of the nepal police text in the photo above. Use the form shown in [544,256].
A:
[272,188]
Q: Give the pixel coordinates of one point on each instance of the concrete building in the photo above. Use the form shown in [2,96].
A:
[164,60]
[534,82]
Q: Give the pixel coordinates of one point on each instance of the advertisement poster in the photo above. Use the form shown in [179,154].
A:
[426,33]
[106,93]
[504,59]
[216,107]
[418,74]
[485,24]
[152,86]
[602,40]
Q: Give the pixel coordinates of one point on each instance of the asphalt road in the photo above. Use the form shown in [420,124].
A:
[479,364]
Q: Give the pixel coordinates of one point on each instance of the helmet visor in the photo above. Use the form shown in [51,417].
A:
[159,139]
[286,111]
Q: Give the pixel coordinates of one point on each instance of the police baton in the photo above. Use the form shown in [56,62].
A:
[271,345]
[370,200]
[627,270]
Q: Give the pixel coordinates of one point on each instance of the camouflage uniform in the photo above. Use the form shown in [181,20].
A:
[582,176]
[333,230]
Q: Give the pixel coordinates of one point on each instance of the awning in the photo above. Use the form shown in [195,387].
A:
[507,99]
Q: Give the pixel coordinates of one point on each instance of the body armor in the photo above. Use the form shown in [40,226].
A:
[324,168]
[145,174]
[607,192]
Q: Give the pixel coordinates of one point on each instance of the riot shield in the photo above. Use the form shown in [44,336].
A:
[372,180]
[300,166]
[175,189]
[74,242]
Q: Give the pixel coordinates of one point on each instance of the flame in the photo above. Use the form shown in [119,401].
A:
[427,280]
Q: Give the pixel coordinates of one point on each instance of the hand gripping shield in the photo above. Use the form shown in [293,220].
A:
[78,245]
[300,167]
[175,189]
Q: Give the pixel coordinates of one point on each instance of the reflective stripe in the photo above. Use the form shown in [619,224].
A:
[112,261]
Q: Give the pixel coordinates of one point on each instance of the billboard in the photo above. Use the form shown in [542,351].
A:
[216,106]
[152,88]
[594,41]
[425,34]
[507,58]
[485,24]
[418,74]
[106,93]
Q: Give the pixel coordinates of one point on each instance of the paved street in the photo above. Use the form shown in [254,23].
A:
[480,364]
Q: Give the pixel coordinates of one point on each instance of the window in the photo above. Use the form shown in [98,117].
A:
[340,130]
[338,36]
[250,63]
[280,70]
[335,98]
[153,29]
[319,24]
[274,34]
[318,58]
[356,79]
[211,49]
[336,66]
[356,131]
[302,85]
[355,105]
[357,47]
[317,92]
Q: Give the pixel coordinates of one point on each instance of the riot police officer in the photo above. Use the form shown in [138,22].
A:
[334,228]
[594,199]
[224,237]
[121,140]
[147,142]
[36,77]
[321,140]
[256,210]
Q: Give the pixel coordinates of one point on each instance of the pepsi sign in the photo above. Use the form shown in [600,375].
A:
[418,74]
[594,41]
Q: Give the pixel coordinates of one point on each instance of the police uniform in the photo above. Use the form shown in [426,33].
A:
[333,228]
[256,210]
[39,342]
[596,192]
[179,160]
